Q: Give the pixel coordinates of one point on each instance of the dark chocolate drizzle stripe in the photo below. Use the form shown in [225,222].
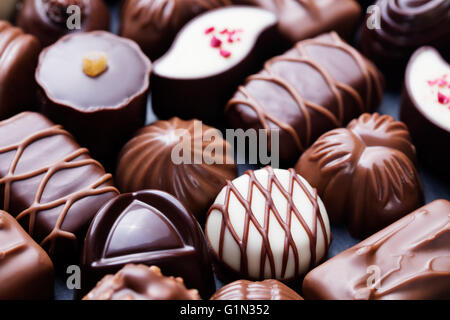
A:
[49,171]
[370,250]
[266,251]
[336,87]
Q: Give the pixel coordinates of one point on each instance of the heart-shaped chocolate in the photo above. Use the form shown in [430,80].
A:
[147,227]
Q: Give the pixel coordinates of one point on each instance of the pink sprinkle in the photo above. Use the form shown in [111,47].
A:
[215,43]
[224,31]
[432,83]
[230,39]
[225,53]
[443,99]
[209,30]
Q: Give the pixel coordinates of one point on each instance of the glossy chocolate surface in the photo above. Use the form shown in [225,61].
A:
[153,24]
[26,271]
[303,19]
[267,224]
[263,290]
[48,20]
[104,111]
[365,174]
[319,85]
[49,184]
[404,27]
[225,46]
[148,227]
[408,260]
[425,107]
[144,158]
[19,54]
[140,282]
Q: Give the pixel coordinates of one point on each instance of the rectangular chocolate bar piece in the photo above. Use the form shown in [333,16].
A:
[26,271]
[49,184]
[408,260]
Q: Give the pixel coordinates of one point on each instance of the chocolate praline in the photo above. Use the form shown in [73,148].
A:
[153,24]
[139,282]
[404,26]
[318,85]
[194,178]
[267,224]
[365,174]
[26,271]
[19,54]
[258,290]
[102,109]
[425,107]
[49,184]
[210,56]
[408,260]
[50,20]
[147,227]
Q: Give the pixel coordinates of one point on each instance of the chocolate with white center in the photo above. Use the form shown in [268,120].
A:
[268,223]
[26,271]
[408,260]
[319,85]
[49,184]
[103,109]
[248,290]
[425,107]
[153,24]
[49,20]
[19,54]
[210,56]
[365,173]
[139,282]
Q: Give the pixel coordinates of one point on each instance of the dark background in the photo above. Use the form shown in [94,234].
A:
[435,187]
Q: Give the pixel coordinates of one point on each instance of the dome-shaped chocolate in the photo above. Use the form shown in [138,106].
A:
[147,162]
[365,174]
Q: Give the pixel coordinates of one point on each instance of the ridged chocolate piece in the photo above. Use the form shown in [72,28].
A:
[146,163]
[48,20]
[26,271]
[19,54]
[139,282]
[365,174]
[153,24]
[267,224]
[409,260]
[147,227]
[49,184]
[320,84]
[303,19]
[405,26]
[248,290]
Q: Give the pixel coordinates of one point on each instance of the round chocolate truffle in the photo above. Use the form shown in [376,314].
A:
[153,24]
[140,282]
[49,20]
[181,158]
[365,174]
[268,223]
[425,107]
[395,29]
[19,54]
[248,290]
[96,85]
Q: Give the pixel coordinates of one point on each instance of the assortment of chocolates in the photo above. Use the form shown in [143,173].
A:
[178,219]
